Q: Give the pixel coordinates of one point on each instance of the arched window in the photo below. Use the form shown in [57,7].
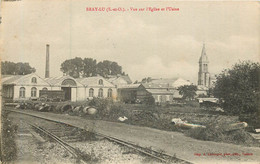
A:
[34,80]
[44,89]
[22,92]
[91,92]
[33,92]
[100,82]
[109,92]
[100,92]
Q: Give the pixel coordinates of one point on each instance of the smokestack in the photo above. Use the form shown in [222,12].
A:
[47,66]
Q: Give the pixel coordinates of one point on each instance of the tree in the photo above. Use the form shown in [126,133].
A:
[73,67]
[146,80]
[88,67]
[107,67]
[11,68]
[188,92]
[238,88]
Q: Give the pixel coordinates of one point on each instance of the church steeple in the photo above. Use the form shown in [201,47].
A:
[203,75]
[203,57]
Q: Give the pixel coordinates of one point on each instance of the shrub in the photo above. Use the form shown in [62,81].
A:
[239,88]
[193,104]
[149,100]
[8,146]
[102,105]
[217,131]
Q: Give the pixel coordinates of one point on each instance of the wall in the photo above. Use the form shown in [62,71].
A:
[27,91]
[77,94]
[163,98]
[83,93]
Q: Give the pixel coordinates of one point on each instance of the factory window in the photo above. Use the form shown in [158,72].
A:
[91,92]
[33,92]
[22,92]
[109,92]
[44,89]
[34,80]
[167,98]
[100,92]
[100,82]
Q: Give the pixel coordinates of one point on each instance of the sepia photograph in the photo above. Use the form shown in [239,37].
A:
[129,82]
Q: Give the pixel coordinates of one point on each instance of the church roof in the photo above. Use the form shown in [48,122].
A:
[203,57]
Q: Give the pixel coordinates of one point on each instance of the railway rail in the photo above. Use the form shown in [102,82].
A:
[160,156]
[78,155]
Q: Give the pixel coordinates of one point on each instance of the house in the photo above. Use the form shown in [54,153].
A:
[202,90]
[160,92]
[69,85]
[97,87]
[119,80]
[23,87]
[133,93]
[127,93]
[169,84]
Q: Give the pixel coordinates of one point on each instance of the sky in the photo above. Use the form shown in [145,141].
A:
[162,44]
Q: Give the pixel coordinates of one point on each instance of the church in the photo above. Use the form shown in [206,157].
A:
[205,79]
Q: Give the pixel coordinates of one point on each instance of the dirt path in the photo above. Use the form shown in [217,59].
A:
[172,143]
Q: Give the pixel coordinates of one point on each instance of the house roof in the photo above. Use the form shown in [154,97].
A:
[164,80]
[154,85]
[167,83]
[23,80]
[159,91]
[202,88]
[130,86]
[10,79]
[93,81]
[116,79]
[58,80]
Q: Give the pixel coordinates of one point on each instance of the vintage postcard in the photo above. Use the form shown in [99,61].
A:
[130,81]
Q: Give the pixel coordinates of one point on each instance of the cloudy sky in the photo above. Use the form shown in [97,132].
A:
[155,44]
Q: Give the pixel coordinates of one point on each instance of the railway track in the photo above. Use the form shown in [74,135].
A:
[77,154]
[63,136]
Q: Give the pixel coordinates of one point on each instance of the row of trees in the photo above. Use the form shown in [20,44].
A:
[11,68]
[88,67]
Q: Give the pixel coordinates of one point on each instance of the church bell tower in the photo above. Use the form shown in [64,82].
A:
[203,75]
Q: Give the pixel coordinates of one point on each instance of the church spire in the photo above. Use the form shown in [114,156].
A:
[203,74]
[203,57]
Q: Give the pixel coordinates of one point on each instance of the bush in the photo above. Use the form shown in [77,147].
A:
[239,88]
[149,100]
[102,105]
[8,146]
[217,131]
[194,104]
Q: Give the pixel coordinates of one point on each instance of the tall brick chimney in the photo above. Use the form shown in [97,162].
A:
[47,66]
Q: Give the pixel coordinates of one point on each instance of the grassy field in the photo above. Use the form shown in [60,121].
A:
[160,117]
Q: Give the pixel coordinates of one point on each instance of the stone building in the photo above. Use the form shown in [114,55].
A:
[22,87]
[25,87]
[203,75]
